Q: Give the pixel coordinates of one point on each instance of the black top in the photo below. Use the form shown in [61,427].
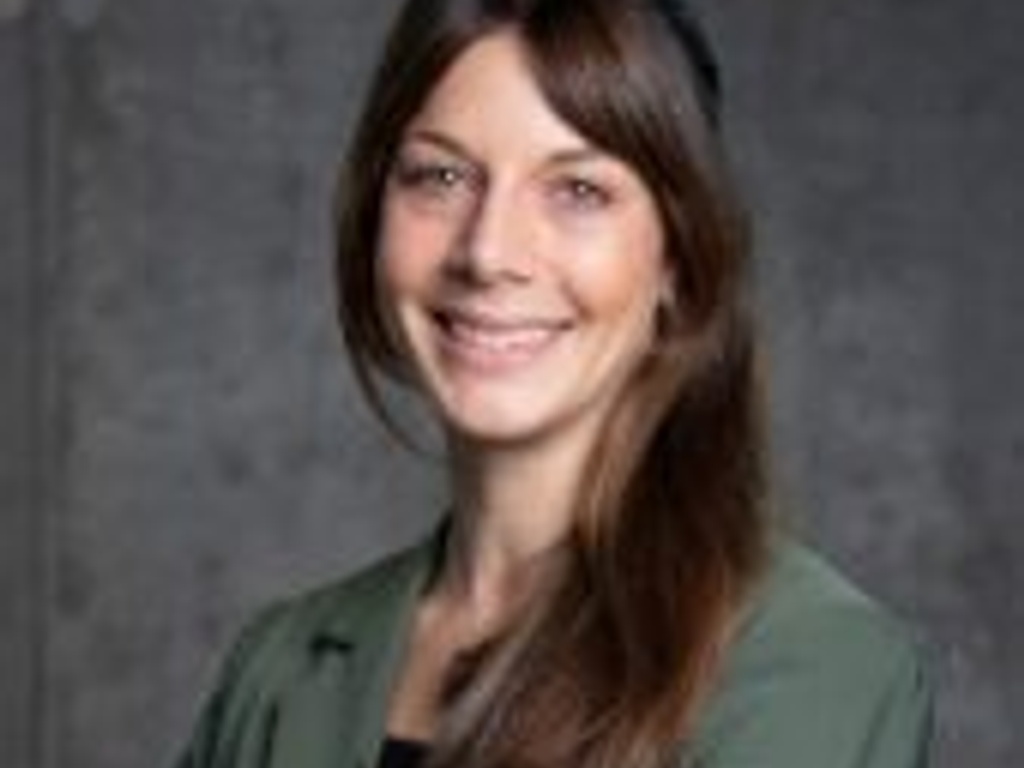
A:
[402,753]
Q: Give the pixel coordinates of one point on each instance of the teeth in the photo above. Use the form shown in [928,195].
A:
[500,339]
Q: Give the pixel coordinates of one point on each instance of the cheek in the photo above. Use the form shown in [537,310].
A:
[625,274]
[404,256]
[403,280]
[413,248]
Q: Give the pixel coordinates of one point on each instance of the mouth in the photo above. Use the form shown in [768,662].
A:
[496,343]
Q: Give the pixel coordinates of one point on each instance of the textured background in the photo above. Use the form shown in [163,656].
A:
[179,438]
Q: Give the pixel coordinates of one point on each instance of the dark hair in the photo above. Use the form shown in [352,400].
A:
[618,652]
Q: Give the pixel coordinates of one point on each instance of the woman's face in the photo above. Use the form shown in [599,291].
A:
[520,265]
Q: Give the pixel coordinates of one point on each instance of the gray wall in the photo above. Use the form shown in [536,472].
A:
[180,437]
[18,338]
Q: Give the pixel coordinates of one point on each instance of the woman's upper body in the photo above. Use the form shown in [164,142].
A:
[537,234]
[537,237]
[818,677]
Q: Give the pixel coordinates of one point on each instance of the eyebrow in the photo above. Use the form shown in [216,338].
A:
[448,143]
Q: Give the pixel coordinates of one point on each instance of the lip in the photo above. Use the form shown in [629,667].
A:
[490,342]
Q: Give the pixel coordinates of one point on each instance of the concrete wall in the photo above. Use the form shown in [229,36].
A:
[181,440]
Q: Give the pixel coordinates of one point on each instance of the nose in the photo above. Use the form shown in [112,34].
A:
[495,240]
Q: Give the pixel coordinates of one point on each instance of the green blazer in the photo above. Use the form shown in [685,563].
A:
[819,677]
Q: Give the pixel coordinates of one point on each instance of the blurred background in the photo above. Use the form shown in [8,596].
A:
[180,440]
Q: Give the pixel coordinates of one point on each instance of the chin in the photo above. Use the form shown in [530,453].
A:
[494,429]
[519,425]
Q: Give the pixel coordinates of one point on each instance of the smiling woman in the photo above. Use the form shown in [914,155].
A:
[536,233]
[523,266]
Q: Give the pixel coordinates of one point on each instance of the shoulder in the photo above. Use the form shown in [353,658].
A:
[331,612]
[278,650]
[819,674]
[805,606]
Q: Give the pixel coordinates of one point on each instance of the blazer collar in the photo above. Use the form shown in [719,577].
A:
[382,598]
[337,717]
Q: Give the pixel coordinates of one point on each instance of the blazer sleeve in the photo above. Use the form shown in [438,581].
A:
[837,687]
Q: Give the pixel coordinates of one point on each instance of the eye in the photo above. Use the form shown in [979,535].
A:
[582,194]
[433,178]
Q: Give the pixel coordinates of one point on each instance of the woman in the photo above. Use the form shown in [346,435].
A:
[536,232]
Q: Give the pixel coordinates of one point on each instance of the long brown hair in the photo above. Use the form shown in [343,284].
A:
[617,654]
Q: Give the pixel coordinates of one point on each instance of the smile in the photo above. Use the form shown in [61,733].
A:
[495,344]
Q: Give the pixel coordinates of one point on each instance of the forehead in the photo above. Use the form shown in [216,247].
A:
[490,97]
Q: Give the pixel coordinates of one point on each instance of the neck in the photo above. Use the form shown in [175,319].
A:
[513,508]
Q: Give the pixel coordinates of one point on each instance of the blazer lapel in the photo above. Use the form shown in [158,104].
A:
[334,716]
